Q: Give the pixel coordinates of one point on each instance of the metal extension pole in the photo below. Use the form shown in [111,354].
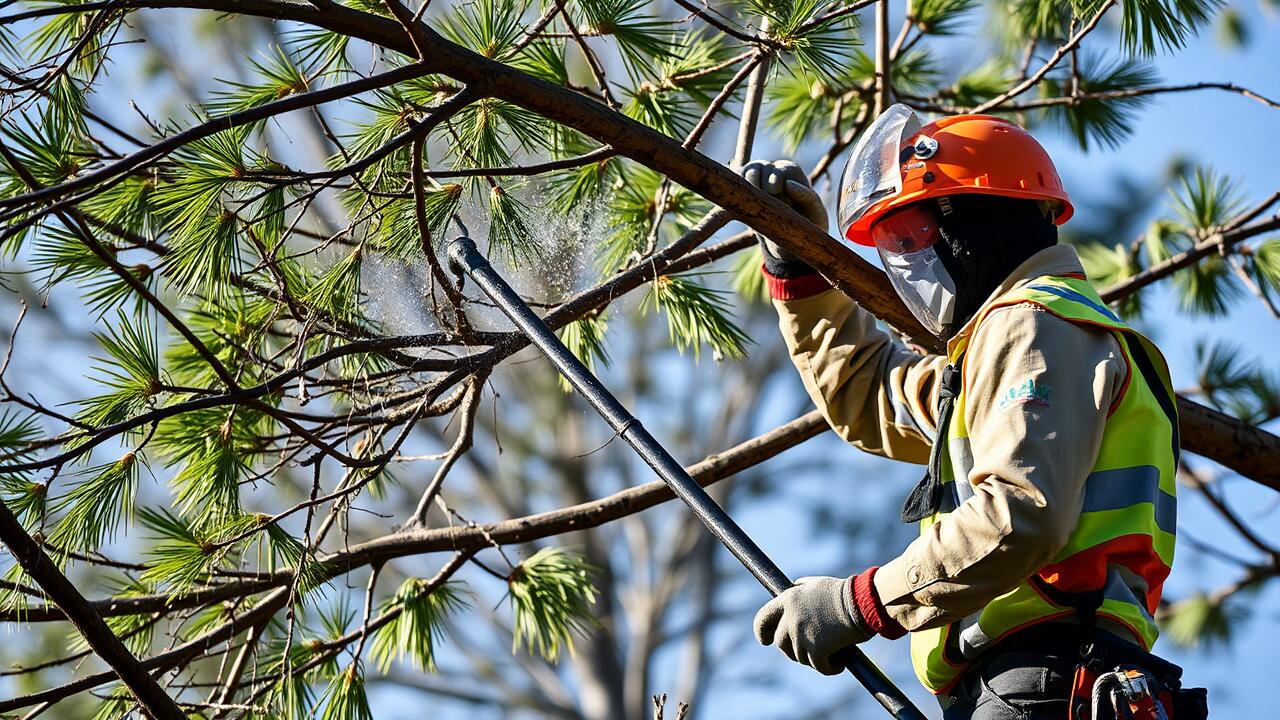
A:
[464,257]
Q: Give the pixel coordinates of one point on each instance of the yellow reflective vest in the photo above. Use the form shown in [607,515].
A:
[1122,547]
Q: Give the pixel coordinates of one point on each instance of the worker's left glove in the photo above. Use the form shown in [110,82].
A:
[786,181]
[812,621]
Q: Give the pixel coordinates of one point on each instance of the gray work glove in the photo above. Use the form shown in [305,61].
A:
[813,620]
[788,182]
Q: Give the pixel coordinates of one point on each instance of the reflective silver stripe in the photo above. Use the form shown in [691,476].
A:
[902,414]
[961,465]
[1118,589]
[955,492]
[1124,487]
[972,638]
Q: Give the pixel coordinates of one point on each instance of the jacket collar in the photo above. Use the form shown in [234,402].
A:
[1056,260]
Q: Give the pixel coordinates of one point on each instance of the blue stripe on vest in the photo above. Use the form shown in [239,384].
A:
[1069,294]
[1123,487]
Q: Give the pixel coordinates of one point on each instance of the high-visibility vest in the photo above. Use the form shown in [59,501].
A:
[1122,548]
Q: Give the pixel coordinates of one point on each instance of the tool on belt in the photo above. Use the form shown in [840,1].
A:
[1120,680]
[465,258]
[1129,692]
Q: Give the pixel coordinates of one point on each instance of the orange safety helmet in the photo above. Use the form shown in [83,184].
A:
[898,162]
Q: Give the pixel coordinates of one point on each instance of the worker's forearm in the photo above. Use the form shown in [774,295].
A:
[984,549]
[873,392]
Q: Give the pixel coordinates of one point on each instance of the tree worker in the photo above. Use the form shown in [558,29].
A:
[1047,512]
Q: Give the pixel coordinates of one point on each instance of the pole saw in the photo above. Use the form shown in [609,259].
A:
[464,257]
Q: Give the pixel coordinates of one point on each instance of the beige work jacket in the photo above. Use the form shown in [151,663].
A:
[1030,459]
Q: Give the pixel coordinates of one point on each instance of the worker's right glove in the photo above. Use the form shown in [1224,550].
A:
[788,182]
[813,620]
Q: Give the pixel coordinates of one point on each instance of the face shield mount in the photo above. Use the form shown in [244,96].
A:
[874,170]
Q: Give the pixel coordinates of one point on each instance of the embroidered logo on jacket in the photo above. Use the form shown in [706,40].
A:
[1027,391]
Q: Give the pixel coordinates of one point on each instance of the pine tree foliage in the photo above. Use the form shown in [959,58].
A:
[345,698]
[941,17]
[93,509]
[183,554]
[1202,621]
[279,76]
[25,496]
[419,624]
[696,315]
[59,255]
[277,353]
[551,596]
[131,373]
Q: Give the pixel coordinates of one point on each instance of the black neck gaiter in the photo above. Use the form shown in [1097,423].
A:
[984,239]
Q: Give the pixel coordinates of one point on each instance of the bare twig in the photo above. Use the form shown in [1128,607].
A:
[720,99]
[466,429]
[595,156]
[1072,43]
[1141,92]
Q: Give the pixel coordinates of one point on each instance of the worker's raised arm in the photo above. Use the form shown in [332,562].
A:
[873,391]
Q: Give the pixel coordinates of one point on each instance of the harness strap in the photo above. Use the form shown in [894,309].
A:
[926,497]
[1161,393]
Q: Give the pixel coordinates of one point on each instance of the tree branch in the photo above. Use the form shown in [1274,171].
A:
[1214,243]
[509,532]
[86,619]
[1050,64]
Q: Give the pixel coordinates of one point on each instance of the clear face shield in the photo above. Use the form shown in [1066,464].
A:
[874,171]
[905,238]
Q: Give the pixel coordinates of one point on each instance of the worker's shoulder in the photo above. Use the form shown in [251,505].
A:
[1031,326]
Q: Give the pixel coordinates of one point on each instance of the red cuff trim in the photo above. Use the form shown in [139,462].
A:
[872,610]
[794,288]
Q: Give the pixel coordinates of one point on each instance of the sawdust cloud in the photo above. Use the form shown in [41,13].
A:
[562,263]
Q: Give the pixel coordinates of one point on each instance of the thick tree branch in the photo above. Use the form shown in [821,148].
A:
[88,622]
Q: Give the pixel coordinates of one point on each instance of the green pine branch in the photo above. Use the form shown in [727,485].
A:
[551,594]
[418,628]
[696,316]
[91,511]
